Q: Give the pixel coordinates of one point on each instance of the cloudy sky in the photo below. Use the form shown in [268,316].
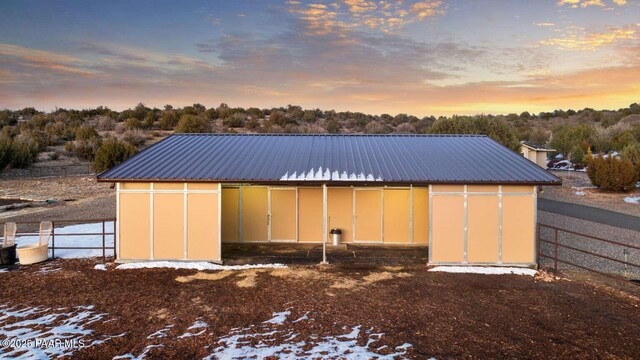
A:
[433,57]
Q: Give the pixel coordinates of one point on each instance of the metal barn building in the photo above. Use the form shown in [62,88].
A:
[466,197]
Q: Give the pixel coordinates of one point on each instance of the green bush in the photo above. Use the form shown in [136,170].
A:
[133,123]
[496,129]
[169,120]
[86,149]
[577,155]
[631,152]
[23,154]
[6,152]
[234,121]
[86,133]
[111,153]
[192,124]
[612,173]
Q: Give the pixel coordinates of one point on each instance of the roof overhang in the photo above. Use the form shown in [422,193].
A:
[338,183]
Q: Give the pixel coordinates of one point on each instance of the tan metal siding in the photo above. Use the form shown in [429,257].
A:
[255,210]
[447,243]
[397,214]
[340,211]
[517,189]
[518,234]
[202,227]
[135,226]
[448,188]
[202,186]
[230,215]
[421,216]
[168,226]
[283,215]
[310,217]
[482,225]
[168,186]
[482,188]
[134,186]
[368,215]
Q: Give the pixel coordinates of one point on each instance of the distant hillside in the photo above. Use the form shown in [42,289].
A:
[26,133]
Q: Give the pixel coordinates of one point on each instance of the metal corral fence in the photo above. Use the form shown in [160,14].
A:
[96,234]
[562,249]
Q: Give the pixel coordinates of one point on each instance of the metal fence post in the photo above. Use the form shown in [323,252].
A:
[555,251]
[53,239]
[104,257]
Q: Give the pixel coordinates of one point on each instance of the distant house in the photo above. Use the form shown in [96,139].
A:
[535,153]
[466,197]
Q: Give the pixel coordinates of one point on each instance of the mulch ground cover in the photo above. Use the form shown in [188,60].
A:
[441,315]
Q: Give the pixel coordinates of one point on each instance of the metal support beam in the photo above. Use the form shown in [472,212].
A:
[325,232]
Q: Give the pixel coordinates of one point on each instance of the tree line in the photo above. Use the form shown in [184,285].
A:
[106,136]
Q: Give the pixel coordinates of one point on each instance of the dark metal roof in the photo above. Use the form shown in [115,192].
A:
[276,158]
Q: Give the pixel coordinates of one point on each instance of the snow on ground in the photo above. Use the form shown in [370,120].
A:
[139,357]
[194,266]
[197,325]
[632,199]
[71,241]
[484,270]
[278,340]
[162,333]
[102,267]
[581,193]
[42,333]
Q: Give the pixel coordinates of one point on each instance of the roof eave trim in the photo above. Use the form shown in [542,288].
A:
[340,182]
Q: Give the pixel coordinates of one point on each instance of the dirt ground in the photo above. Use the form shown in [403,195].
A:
[577,188]
[440,315]
[71,185]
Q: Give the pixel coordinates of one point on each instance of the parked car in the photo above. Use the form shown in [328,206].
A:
[563,165]
[551,163]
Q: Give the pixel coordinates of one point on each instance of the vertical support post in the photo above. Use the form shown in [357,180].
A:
[325,232]
[538,242]
[116,255]
[555,250]
[466,221]
[104,256]
[53,239]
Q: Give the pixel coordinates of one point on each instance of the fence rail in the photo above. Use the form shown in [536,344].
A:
[52,244]
[559,259]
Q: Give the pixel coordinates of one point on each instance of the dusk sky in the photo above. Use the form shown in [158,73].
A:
[434,57]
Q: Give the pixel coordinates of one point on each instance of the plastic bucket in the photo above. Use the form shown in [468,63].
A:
[8,255]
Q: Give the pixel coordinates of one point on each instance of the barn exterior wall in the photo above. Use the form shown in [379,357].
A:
[462,224]
[168,221]
[483,224]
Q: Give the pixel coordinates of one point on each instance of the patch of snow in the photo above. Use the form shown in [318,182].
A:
[160,333]
[197,325]
[48,269]
[328,175]
[279,317]
[47,333]
[139,357]
[277,340]
[4,270]
[71,241]
[102,267]
[632,199]
[194,266]
[581,193]
[484,270]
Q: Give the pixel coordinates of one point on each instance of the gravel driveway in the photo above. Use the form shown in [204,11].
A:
[612,233]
